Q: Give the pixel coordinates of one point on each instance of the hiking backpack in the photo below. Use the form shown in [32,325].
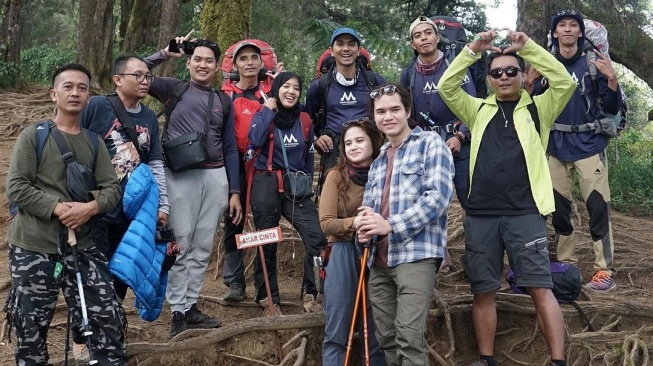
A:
[42,133]
[596,39]
[453,38]
[325,66]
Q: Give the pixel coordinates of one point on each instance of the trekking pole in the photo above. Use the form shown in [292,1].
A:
[72,241]
[364,297]
[268,291]
[361,279]
[66,346]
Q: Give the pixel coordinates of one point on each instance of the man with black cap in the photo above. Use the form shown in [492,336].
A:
[576,144]
[429,111]
[346,96]
[247,92]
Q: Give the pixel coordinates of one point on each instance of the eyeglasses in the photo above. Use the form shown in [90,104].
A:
[141,77]
[510,71]
[387,90]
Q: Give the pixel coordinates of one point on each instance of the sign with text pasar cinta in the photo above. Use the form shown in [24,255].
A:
[256,238]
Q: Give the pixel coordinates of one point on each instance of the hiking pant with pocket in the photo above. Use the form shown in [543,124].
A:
[401,297]
[198,199]
[268,205]
[340,287]
[36,291]
[593,181]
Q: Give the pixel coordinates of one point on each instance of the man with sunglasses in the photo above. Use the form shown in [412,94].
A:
[429,112]
[575,145]
[199,196]
[510,185]
[405,206]
[132,80]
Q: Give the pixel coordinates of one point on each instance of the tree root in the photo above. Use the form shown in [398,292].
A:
[444,307]
[439,359]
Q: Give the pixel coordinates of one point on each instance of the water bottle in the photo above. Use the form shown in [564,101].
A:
[249,153]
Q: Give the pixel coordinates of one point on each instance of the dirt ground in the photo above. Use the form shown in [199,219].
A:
[623,318]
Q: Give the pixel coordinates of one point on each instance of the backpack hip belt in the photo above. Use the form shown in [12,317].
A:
[586,127]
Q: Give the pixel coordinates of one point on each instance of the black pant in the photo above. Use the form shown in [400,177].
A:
[268,205]
[234,268]
[107,238]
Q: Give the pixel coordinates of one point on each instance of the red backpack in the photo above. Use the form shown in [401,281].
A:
[326,61]
[267,55]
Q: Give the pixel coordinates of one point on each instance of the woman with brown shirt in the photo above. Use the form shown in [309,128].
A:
[342,195]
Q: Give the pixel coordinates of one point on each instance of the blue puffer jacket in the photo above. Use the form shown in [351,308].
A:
[138,259]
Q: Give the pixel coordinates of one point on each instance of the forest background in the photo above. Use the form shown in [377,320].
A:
[36,36]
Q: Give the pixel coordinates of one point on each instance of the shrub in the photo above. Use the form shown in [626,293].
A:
[38,63]
[9,74]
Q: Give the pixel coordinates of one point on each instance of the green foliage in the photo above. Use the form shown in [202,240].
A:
[630,159]
[9,74]
[38,63]
[49,22]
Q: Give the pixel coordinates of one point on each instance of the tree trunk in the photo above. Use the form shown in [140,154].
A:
[125,12]
[531,14]
[10,41]
[226,21]
[168,29]
[153,22]
[136,28]
[95,40]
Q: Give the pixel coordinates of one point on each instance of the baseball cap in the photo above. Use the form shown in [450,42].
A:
[558,16]
[340,31]
[422,20]
[244,44]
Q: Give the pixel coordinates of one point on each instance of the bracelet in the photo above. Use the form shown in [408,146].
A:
[460,136]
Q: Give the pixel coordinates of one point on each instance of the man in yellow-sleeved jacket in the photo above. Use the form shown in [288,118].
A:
[510,185]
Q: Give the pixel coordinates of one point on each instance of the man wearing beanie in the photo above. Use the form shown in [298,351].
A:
[346,95]
[429,110]
[576,145]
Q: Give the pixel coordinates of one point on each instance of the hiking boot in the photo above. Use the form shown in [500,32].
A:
[311,305]
[236,292]
[178,323]
[81,354]
[196,319]
[602,281]
[275,311]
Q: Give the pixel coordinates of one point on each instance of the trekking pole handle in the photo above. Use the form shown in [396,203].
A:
[72,238]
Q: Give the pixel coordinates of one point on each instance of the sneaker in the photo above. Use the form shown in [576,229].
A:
[196,319]
[81,354]
[311,305]
[178,323]
[236,292]
[602,281]
[275,311]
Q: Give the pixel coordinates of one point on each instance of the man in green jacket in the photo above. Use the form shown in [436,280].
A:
[510,186]
[37,186]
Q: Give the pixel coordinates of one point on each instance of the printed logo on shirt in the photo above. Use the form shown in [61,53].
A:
[122,151]
[574,77]
[290,140]
[246,111]
[431,87]
[348,98]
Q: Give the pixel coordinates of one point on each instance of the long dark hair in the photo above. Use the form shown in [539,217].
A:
[342,167]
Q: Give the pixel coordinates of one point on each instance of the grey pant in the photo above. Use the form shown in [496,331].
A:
[400,298]
[198,198]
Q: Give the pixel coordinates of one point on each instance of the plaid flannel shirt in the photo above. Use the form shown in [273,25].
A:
[420,194]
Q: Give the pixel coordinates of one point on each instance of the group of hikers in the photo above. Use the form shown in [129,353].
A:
[393,153]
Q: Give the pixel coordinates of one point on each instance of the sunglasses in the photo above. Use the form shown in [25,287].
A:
[357,122]
[387,90]
[510,71]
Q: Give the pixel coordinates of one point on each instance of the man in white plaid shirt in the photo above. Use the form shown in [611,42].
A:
[405,206]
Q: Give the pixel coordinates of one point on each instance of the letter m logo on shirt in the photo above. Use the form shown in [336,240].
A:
[430,86]
[289,139]
[348,97]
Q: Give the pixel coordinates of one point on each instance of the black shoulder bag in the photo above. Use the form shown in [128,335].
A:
[189,150]
[79,178]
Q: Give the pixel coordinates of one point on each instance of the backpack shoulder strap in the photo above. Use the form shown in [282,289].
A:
[532,109]
[412,72]
[177,92]
[126,122]
[225,100]
[370,78]
[323,94]
[42,133]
